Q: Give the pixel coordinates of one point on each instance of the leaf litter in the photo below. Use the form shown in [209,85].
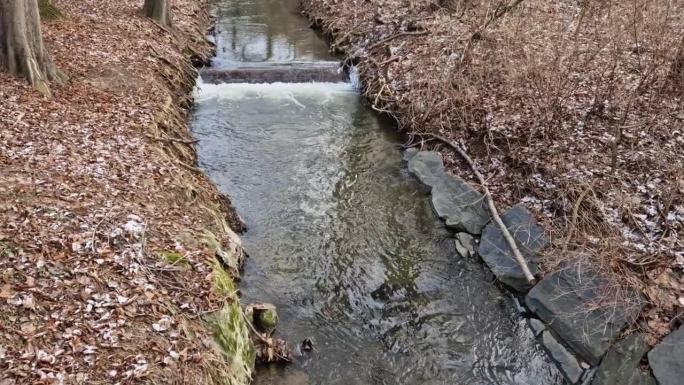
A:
[92,191]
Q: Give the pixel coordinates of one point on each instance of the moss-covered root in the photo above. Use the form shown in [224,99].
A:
[232,336]
[231,332]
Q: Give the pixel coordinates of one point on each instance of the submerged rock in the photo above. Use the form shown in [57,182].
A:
[427,166]
[566,361]
[408,154]
[537,326]
[278,375]
[570,301]
[622,360]
[496,253]
[667,359]
[459,205]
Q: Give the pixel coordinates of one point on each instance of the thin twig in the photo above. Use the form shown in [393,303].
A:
[498,12]
[19,118]
[256,333]
[184,141]
[187,166]
[575,214]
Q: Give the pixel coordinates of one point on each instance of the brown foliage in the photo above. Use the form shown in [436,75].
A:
[103,274]
[551,98]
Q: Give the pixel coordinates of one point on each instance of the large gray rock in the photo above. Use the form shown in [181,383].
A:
[639,378]
[622,360]
[459,205]
[428,167]
[667,359]
[496,253]
[572,302]
[566,362]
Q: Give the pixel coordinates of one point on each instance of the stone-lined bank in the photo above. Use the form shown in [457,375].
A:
[581,334]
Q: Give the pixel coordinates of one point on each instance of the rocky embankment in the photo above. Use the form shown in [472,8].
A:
[567,309]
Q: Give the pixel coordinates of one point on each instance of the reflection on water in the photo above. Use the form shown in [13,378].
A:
[257,31]
[341,238]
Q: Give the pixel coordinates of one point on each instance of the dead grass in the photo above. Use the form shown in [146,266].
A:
[572,107]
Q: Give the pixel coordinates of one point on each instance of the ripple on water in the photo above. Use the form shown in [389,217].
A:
[346,244]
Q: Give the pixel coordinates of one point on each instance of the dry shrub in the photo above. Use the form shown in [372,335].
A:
[677,71]
[552,99]
[479,8]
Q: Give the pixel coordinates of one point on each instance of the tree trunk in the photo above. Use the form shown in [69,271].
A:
[158,10]
[21,44]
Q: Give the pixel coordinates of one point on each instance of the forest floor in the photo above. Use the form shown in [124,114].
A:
[108,234]
[573,108]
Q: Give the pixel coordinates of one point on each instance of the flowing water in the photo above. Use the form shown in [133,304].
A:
[341,238]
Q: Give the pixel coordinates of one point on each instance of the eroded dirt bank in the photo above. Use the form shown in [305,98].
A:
[574,110]
[109,235]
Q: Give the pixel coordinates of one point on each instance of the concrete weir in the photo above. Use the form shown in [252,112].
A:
[290,72]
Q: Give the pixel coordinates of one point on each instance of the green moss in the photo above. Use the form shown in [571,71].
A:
[223,282]
[48,11]
[173,257]
[232,335]
[230,330]
[228,325]
[267,320]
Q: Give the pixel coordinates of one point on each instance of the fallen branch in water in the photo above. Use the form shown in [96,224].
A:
[272,350]
[490,203]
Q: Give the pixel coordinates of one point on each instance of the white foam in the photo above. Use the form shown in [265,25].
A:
[322,91]
[354,78]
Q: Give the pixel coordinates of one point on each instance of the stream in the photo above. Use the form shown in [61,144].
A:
[340,237]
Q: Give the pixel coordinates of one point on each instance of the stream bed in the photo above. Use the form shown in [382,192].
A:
[340,237]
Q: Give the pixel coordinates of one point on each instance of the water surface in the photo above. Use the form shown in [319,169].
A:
[264,31]
[340,237]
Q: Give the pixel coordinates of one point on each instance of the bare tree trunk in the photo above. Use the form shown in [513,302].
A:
[21,44]
[158,10]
